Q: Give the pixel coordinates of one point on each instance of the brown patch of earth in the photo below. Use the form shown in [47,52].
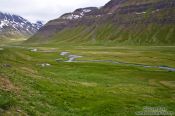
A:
[7,85]
[169,84]
[13,112]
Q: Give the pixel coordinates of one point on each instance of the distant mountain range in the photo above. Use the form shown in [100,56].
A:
[14,26]
[131,22]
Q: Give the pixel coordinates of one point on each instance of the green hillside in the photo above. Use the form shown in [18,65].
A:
[116,60]
[109,34]
[117,23]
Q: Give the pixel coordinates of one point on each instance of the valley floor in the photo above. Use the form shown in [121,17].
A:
[37,81]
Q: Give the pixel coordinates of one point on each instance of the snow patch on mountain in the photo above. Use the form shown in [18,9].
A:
[77,14]
[13,23]
[3,23]
[87,10]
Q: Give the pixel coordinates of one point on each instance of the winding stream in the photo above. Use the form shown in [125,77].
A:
[72,58]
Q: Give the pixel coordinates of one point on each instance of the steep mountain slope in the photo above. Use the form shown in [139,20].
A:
[131,22]
[14,26]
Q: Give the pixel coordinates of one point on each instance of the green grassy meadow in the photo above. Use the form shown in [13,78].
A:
[85,88]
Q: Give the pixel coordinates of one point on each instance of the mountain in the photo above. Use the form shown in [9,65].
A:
[14,26]
[131,22]
[38,25]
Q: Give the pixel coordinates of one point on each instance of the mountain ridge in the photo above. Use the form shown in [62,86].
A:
[130,21]
[15,26]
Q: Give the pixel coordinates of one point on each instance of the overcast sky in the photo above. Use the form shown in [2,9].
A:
[45,10]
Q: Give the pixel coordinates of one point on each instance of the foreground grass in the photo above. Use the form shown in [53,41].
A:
[89,89]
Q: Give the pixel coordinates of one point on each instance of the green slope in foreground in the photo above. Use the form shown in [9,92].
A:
[90,89]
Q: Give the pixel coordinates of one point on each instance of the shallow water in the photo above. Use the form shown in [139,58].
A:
[130,64]
[64,53]
[72,58]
